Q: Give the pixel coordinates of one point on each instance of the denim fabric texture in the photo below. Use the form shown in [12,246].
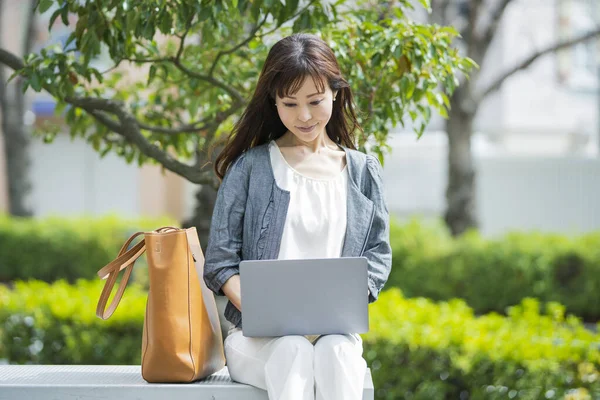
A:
[250,213]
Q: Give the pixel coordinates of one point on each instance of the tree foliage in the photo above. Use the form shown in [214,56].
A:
[183,70]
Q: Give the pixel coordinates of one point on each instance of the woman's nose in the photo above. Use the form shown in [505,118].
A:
[304,114]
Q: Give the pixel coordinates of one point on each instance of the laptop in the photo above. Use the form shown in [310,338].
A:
[304,297]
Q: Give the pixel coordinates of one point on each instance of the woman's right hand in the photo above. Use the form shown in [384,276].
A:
[233,291]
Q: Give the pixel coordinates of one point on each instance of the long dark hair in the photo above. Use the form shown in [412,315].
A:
[290,61]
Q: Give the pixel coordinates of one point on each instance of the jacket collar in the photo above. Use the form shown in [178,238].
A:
[360,208]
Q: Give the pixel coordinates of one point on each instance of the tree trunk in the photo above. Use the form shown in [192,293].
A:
[16,144]
[205,202]
[16,135]
[460,193]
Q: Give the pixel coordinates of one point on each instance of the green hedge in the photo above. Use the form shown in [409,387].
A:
[55,248]
[56,323]
[417,349]
[489,274]
[493,274]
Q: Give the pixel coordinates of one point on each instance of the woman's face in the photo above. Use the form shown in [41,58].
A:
[306,112]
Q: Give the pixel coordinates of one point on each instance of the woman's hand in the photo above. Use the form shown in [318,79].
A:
[233,291]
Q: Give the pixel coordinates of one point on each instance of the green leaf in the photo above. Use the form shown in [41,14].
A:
[44,5]
[376,60]
[413,115]
[36,82]
[254,43]
[166,23]
[70,39]
[98,75]
[443,112]
[420,130]
[64,15]
[106,150]
[95,141]
[152,73]
[14,74]
[291,6]
[427,114]
[53,17]
[410,89]
[141,159]
[129,155]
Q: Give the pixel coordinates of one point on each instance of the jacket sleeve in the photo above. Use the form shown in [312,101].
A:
[224,247]
[377,250]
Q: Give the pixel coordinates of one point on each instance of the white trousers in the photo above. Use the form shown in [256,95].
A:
[292,368]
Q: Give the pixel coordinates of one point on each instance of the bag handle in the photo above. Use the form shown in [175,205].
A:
[167,228]
[110,272]
[108,268]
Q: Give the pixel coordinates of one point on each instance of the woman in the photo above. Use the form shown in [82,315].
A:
[293,186]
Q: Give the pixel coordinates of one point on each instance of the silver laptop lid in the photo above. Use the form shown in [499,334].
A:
[304,297]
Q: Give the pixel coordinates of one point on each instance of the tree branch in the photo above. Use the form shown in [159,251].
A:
[182,37]
[215,82]
[195,127]
[483,42]
[129,128]
[475,6]
[105,120]
[2,84]
[238,46]
[528,61]
[182,43]
[193,74]
[145,60]
[30,32]
[439,11]
[239,99]
[190,128]
[10,60]
[125,125]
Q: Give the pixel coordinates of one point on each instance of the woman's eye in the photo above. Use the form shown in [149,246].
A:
[313,103]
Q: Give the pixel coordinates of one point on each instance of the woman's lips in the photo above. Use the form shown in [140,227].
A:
[306,130]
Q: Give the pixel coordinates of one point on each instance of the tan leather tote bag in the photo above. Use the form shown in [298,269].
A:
[182,339]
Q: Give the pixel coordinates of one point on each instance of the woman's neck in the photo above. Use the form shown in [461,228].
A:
[320,143]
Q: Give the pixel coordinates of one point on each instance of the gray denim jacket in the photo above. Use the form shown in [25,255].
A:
[250,212]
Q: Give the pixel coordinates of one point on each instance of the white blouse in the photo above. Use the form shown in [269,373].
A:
[315,224]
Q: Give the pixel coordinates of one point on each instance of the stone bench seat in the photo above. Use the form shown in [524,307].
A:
[123,382]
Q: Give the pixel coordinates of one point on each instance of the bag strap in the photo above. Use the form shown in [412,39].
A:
[108,268]
[110,272]
[167,228]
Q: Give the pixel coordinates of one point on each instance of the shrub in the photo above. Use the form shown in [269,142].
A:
[63,248]
[44,323]
[417,349]
[493,274]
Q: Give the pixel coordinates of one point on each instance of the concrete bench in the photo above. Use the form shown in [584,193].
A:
[99,382]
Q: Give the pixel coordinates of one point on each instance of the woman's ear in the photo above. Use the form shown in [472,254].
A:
[335,92]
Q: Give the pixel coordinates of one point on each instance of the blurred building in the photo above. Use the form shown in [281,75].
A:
[536,144]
